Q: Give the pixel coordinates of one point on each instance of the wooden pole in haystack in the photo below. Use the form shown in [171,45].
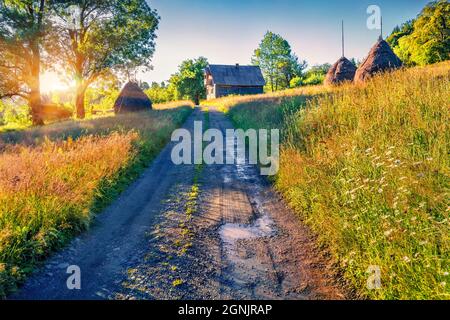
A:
[381,24]
[343,42]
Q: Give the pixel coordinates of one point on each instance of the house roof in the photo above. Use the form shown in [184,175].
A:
[236,75]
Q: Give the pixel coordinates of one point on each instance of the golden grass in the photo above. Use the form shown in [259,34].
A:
[54,178]
[367,167]
[172,105]
[142,121]
[228,102]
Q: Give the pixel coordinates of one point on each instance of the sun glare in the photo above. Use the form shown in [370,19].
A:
[50,82]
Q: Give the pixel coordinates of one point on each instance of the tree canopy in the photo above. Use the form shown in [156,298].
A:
[400,31]
[95,37]
[87,39]
[23,26]
[277,62]
[189,80]
[425,40]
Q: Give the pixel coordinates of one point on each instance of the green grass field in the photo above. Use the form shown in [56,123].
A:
[55,178]
[367,168]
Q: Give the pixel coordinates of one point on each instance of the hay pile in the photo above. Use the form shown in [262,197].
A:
[132,99]
[381,58]
[342,70]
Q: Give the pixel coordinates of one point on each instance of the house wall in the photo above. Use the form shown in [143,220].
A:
[210,91]
[221,91]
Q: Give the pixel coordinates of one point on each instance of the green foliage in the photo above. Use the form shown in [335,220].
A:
[189,81]
[101,96]
[93,38]
[14,116]
[296,82]
[88,38]
[277,62]
[161,93]
[404,30]
[117,35]
[425,40]
[314,79]
[316,75]
[23,26]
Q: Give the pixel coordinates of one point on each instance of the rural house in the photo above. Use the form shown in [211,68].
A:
[223,80]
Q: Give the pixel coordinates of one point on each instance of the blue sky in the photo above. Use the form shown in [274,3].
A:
[227,32]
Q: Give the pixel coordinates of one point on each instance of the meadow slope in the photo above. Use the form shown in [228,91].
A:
[53,179]
[367,168]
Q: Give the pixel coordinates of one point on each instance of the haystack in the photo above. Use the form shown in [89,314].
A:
[342,70]
[381,58]
[132,99]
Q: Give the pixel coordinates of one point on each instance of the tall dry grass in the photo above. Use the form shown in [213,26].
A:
[173,104]
[367,167]
[54,179]
[276,97]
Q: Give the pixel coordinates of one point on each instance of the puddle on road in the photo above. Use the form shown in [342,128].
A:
[232,232]
[243,171]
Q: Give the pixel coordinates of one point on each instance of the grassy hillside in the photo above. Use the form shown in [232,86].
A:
[53,179]
[367,168]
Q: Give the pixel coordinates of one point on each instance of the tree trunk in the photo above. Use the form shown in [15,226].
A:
[36,108]
[79,100]
[34,100]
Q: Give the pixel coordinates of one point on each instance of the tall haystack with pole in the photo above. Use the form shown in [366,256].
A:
[132,99]
[381,59]
[343,70]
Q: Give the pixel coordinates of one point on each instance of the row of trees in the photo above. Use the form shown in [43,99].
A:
[84,40]
[426,39]
[281,68]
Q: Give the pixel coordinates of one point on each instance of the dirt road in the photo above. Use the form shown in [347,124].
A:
[192,232]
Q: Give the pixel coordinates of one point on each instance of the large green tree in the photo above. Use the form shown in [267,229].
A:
[428,39]
[277,62]
[23,25]
[96,37]
[189,81]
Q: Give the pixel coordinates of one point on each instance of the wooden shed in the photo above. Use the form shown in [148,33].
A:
[225,80]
